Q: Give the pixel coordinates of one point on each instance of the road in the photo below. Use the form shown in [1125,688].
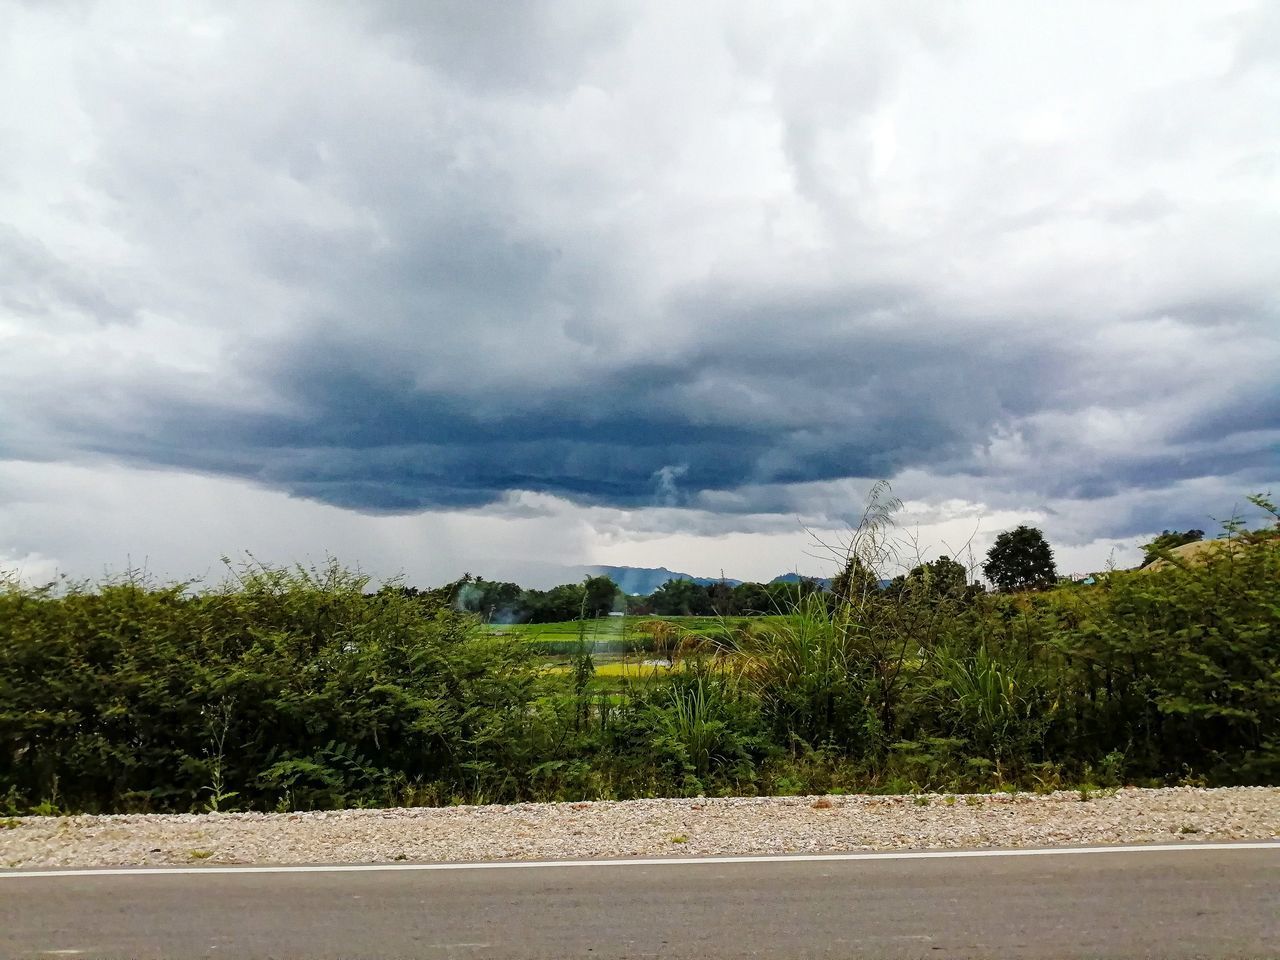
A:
[1190,902]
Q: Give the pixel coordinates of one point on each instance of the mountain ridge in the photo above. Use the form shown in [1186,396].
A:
[645,580]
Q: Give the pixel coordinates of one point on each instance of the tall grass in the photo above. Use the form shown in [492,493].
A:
[803,667]
[993,699]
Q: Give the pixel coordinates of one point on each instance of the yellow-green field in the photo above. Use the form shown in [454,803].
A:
[622,669]
[623,649]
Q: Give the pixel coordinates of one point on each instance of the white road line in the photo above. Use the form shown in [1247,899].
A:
[642,862]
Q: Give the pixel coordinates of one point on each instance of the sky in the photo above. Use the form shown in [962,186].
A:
[453,286]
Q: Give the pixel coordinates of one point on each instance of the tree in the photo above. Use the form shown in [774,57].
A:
[1020,559]
[1167,541]
[943,578]
[555,605]
[681,598]
[753,598]
[855,583]
[489,598]
[721,597]
[601,595]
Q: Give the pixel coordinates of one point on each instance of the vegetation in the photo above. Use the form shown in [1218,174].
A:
[501,602]
[297,689]
[1021,559]
[508,603]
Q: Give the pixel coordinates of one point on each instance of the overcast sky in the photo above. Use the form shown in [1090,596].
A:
[450,286]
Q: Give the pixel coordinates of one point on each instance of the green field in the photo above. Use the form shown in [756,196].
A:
[622,648]
[622,669]
[616,636]
[606,628]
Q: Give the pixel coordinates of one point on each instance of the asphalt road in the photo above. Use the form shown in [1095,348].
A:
[1202,903]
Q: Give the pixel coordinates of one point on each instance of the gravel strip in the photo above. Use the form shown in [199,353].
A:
[535,831]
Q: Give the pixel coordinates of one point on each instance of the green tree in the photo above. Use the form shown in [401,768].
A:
[489,598]
[564,602]
[1167,541]
[855,583]
[1020,559]
[601,595]
[722,599]
[681,598]
[753,598]
[942,578]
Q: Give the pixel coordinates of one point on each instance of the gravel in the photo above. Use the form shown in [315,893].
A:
[693,827]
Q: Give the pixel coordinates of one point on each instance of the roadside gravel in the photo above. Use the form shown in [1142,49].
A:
[645,828]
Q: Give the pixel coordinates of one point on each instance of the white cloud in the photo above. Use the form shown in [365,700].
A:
[1021,259]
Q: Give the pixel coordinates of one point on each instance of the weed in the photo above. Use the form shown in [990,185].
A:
[201,854]
[788,786]
[1111,769]
[219,720]
[921,800]
[679,838]
[949,800]
[972,801]
[10,823]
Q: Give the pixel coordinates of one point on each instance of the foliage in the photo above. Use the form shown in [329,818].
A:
[943,578]
[296,689]
[492,599]
[281,686]
[1020,559]
[803,670]
[600,596]
[681,598]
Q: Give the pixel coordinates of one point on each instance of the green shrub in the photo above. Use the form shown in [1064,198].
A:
[297,689]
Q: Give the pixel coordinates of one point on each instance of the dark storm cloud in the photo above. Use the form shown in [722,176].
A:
[435,254]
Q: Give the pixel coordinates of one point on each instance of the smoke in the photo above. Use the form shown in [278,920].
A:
[508,615]
[667,494]
[469,596]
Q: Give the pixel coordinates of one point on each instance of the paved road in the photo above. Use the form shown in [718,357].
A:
[1206,903]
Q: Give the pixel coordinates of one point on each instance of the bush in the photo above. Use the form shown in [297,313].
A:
[1179,666]
[285,689]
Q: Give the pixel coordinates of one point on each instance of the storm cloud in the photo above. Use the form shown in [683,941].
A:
[722,262]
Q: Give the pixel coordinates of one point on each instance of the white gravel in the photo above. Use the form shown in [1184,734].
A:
[645,828]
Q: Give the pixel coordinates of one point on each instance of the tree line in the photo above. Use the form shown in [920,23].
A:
[1019,559]
[500,601]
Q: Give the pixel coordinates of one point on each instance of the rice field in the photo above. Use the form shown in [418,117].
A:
[629,669]
[622,648]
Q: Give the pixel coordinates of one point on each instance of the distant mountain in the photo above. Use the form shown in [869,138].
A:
[634,581]
[644,580]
